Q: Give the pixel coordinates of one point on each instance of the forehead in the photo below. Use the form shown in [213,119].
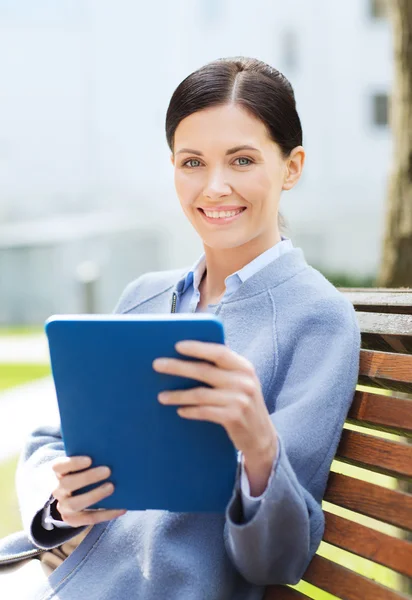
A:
[226,125]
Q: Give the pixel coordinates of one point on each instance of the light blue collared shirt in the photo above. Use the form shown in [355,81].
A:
[188,303]
[190,292]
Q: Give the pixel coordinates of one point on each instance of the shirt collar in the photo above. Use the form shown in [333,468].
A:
[195,273]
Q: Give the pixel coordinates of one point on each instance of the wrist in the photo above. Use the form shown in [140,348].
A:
[265,453]
[258,466]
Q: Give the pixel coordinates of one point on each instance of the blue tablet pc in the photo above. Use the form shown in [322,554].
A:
[107,390]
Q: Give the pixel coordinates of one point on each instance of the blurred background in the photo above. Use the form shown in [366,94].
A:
[87,200]
[85,173]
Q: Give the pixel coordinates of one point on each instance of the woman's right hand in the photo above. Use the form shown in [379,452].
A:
[72,508]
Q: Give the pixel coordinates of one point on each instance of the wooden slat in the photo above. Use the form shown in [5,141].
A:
[382,412]
[379,308]
[374,545]
[283,592]
[346,584]
[375,501]
[384,324]
[376,454]
[386,365]
[386,332]
[380,301]
[386,369]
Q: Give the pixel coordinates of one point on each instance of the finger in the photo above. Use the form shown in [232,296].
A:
[214,376]
[200,396]
[214,414]
[220,354]
[76,481]
[69,464]
[78,503]
[200,371]
[203,413]
[92,517]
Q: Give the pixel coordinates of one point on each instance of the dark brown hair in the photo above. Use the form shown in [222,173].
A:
[252,84]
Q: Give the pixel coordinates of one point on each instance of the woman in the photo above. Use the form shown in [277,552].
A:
[281,386]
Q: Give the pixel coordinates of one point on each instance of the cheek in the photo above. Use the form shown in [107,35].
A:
[255,188]
[187,188]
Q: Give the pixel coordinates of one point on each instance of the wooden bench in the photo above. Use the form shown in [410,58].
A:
[385,318]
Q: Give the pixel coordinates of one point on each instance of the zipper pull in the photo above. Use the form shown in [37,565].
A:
[174,300]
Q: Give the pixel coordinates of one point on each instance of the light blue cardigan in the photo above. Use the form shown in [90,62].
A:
[188,302]
[303,338]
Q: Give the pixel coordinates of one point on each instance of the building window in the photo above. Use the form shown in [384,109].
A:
[378,9]
[289,51]
[380,109]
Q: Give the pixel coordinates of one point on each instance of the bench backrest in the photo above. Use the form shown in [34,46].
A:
[385,318]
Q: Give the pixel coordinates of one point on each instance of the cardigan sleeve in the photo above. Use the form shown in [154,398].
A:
[250,504]
[35,481]
[314,385]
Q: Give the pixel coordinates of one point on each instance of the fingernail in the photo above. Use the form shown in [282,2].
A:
[160,362]
[183,344]
[108,486]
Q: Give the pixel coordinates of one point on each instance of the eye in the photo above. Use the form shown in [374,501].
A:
[185,164]
[244,158]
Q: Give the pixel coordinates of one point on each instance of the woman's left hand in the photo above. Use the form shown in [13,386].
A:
[235,399]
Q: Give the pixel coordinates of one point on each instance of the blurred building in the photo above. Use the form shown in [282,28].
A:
[85,88]
[72,264]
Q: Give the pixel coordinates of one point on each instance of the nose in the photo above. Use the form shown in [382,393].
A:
[216,187]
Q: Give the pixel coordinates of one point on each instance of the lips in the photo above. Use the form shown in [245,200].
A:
[219,221]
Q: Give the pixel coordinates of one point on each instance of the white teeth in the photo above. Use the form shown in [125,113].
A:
[222,214]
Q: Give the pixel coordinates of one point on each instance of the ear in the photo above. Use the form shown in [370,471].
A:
[294,167]
[172,159]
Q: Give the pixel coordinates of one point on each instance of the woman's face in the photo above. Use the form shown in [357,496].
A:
[211,174]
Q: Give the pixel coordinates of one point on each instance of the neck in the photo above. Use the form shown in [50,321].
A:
[220,263]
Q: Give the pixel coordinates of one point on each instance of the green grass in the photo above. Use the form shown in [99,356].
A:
[12,375]
[347,280]
[16,374]
[20,329]
[9,512]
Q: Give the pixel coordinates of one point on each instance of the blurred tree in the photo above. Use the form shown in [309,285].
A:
[396,266]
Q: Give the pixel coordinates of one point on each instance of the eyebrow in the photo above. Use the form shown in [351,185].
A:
[230,151]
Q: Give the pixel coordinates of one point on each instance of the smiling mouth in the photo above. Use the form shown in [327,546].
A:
[220,220]
[220,212]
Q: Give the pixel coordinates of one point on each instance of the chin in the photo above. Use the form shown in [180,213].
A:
[223,243]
